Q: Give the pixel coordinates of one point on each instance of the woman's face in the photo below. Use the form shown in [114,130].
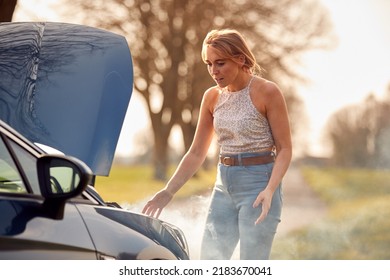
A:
[224,71]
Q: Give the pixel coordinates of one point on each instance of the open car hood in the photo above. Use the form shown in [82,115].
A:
[66,86]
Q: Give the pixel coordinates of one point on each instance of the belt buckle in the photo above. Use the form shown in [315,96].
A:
[224,159]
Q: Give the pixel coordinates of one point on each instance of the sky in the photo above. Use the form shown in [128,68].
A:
[357,66]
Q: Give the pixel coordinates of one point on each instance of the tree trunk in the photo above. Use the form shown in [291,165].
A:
[160,152]
[160,157]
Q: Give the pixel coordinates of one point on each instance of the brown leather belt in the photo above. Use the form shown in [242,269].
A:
[235,161]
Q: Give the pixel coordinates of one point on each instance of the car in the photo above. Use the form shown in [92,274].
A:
[64,91]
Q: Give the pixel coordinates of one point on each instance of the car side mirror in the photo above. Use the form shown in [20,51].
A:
[61,178]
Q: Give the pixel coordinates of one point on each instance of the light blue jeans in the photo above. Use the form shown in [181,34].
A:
[231,217]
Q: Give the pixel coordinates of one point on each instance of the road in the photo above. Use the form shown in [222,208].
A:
[301,206]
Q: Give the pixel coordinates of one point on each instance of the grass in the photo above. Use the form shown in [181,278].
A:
[358,224]
[337,185]
[131,184]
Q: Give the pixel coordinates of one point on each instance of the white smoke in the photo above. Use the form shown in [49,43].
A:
[189,215]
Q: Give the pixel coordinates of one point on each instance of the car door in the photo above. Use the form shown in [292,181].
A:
[26,229]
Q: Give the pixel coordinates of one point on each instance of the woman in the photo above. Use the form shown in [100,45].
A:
[249,116]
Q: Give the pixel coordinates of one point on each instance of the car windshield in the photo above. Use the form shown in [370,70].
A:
[10,180]
[28,163]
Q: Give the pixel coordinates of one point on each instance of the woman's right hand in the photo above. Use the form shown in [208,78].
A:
[154,206]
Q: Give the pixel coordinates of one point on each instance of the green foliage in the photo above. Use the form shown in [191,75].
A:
[134,183]
[358,224]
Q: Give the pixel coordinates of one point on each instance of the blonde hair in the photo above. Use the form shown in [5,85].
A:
[231,44]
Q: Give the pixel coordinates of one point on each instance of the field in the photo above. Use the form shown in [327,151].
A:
[357,225]
[131,184]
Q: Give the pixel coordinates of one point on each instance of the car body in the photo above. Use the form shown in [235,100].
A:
[49,207]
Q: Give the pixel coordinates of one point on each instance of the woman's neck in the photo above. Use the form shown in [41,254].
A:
[240,83]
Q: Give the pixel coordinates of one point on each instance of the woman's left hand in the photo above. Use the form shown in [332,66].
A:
[264,198]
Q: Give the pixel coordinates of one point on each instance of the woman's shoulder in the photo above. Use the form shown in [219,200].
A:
[212,93]
[265,85]
[266,88]
[210,97]
[214,90]
[265,94]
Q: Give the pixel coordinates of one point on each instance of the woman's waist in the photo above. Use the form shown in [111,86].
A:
[263,156]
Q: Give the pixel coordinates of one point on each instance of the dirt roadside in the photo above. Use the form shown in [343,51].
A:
[301,206]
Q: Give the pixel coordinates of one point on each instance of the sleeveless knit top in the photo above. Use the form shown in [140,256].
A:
[239,126]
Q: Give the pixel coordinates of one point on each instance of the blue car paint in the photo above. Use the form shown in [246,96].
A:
[77,76]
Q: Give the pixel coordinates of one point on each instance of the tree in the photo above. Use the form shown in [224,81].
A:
[381,155]
[7,8]
[359,134]
[165,38]
[348,136]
